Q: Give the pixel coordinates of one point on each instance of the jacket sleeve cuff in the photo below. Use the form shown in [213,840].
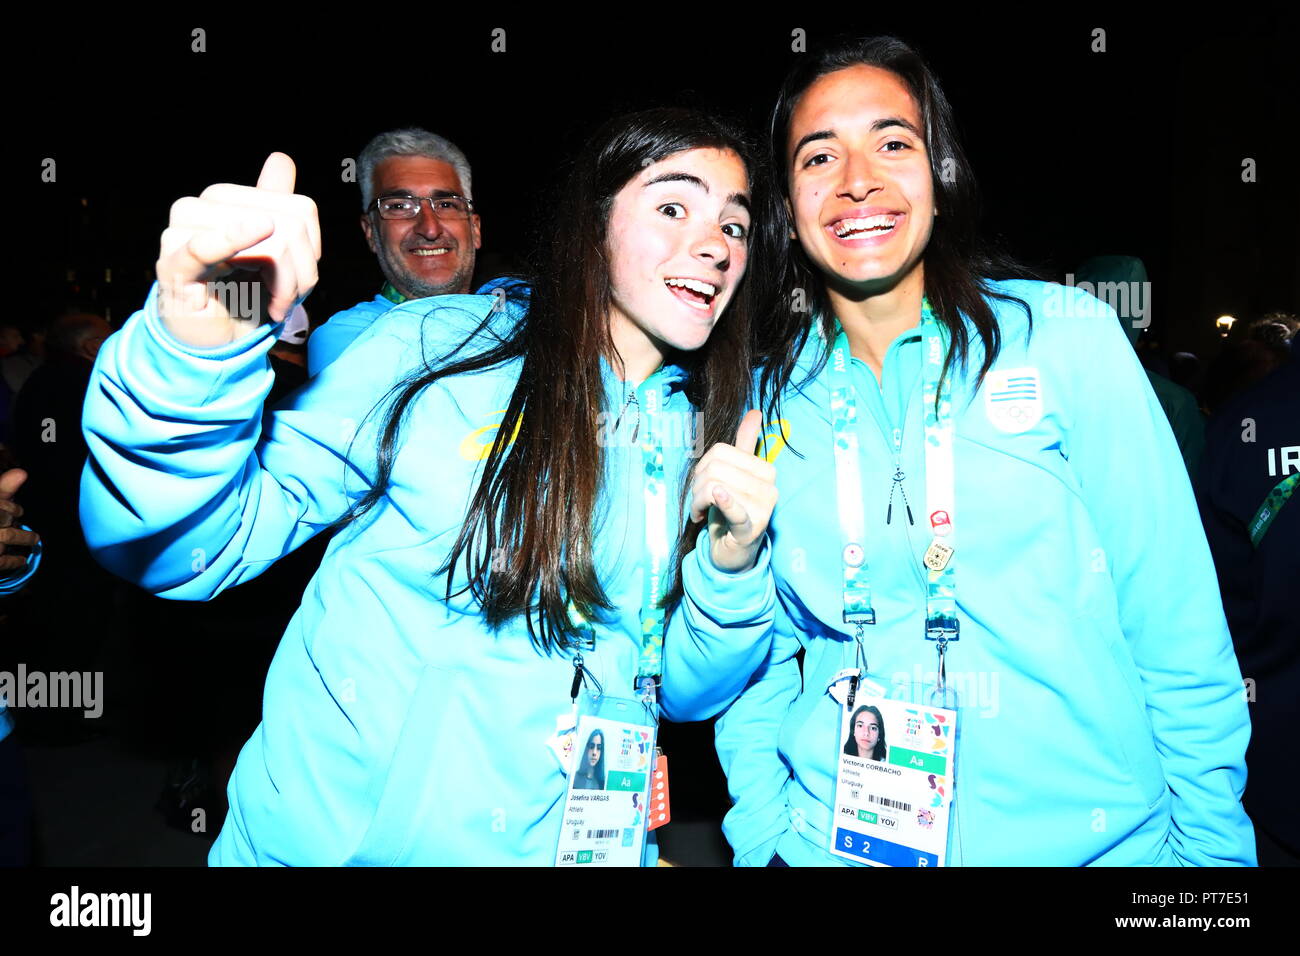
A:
[170,344]
[14,581]
[166,374]
[729,598]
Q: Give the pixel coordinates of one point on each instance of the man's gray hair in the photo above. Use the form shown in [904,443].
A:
[409,142]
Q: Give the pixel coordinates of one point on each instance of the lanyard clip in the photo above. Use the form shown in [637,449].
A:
[943,630]
[647,687]
[580,678]
[577,679]
[860,657]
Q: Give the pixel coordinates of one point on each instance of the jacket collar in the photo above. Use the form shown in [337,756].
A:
[670,377]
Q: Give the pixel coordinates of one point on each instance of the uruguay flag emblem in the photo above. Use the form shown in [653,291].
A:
[1013,399]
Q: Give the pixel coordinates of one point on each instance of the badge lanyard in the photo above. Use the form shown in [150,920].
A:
[657,549]
[608,811]
[941,587]
[1273,503]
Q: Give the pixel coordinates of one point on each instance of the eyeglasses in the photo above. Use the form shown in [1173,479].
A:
[449,206]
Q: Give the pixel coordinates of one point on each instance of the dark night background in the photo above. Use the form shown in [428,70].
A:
[1136,151]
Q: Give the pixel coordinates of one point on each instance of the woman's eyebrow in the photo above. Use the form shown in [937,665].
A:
[885,122]
[739,199]
[671,177]
[810,137]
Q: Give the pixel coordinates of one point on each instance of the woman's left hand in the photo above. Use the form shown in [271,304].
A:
[738,490]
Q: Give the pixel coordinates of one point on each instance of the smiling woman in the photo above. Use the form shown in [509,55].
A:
[662,248]
[960,450]
[656,199]
[467,598]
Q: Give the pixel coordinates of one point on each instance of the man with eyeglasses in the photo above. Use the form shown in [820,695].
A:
[420,223]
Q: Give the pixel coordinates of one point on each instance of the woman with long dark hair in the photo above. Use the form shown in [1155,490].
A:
[589,774]
[866,734]
[983,512]
[511,485]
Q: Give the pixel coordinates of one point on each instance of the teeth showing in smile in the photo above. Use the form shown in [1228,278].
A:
[856,228]
[429,252]
[694,285]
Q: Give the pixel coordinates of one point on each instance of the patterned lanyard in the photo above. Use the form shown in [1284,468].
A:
[941,588]
[391,294]
[1272,505]
[658,544]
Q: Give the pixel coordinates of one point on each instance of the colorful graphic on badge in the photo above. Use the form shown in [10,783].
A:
[939,785]
[634,750]
[927,731]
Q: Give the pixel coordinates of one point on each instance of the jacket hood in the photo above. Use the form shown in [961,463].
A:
[1125,269]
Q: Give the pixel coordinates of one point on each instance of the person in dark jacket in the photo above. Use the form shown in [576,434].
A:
[1251,469]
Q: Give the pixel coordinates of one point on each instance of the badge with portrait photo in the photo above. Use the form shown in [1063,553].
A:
[893,788]
[606,801]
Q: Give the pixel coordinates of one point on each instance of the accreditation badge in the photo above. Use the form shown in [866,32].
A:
[893,789]
[607,799]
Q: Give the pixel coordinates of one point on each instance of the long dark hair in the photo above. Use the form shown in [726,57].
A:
[581,767]
[537,498]
[956,261]
[851,745]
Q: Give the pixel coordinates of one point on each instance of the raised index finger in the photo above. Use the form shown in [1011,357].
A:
[278,174]
[747,435]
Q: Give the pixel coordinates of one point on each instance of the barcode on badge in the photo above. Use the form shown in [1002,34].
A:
[891,804]
[601,834]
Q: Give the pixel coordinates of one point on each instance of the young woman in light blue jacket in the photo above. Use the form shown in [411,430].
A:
[515,483]
[984,521]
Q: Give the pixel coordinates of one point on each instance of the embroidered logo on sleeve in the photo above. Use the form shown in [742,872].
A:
[775,433]
[1013,399]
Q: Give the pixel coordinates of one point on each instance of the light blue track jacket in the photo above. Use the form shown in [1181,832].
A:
[340,330]
[396,729]
[1103,719]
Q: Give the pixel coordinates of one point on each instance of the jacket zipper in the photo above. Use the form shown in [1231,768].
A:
[897,481]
